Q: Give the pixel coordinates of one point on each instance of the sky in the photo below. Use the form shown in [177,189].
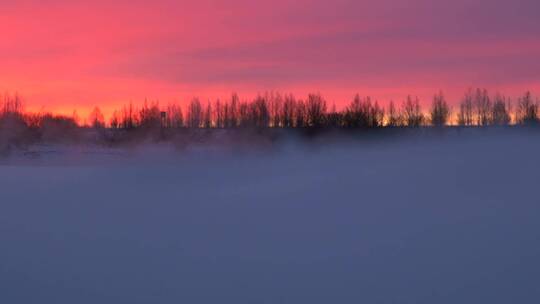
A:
[65,55]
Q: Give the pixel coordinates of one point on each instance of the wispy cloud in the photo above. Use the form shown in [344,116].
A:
[198,46]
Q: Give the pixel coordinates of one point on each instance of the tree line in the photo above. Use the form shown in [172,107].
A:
[275,110]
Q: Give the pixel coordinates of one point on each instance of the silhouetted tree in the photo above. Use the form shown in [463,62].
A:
[150,115]
[115,120]
[275,104]
[260,116]
[245,118]
[482,105]
[394,118]
[218,114]
[226,119]
[315,110]
[96,118]
[195,114]
[376,116]
[440,111]
[412,112]
[175,117]
[14,125]
[334,119]
[288,112]
[300,114]
[12,105]
[362,113]
[527,110]
[500,111]
[232,117]
[207,119]
[128,117]
[354,114]
[466,114]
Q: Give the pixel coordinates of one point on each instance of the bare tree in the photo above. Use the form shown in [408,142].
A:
[334,118]
[412,112]
[354,114]
[115,120]
[207,117]
[376,115]
[316,110]
[260,115]
[466,114]
[96,118]
[218,114]
[225,115]
[194,115]
[12,105]
[300,115]
[500,111]
[128,117]
[150,115]
[275,103]
[394,118]
[527,110]
[175,117]
[482,105]
[13,123]
[232,117]
[360,113]
[245,118]
[288,111]
[440,111]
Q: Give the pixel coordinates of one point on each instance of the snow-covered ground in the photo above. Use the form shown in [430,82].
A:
[419,220]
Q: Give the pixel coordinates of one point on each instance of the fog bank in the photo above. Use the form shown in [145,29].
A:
[447,218]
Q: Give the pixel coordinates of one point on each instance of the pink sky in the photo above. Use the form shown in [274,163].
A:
[62,55]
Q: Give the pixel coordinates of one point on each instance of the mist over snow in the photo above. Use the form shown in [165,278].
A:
[450,217]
